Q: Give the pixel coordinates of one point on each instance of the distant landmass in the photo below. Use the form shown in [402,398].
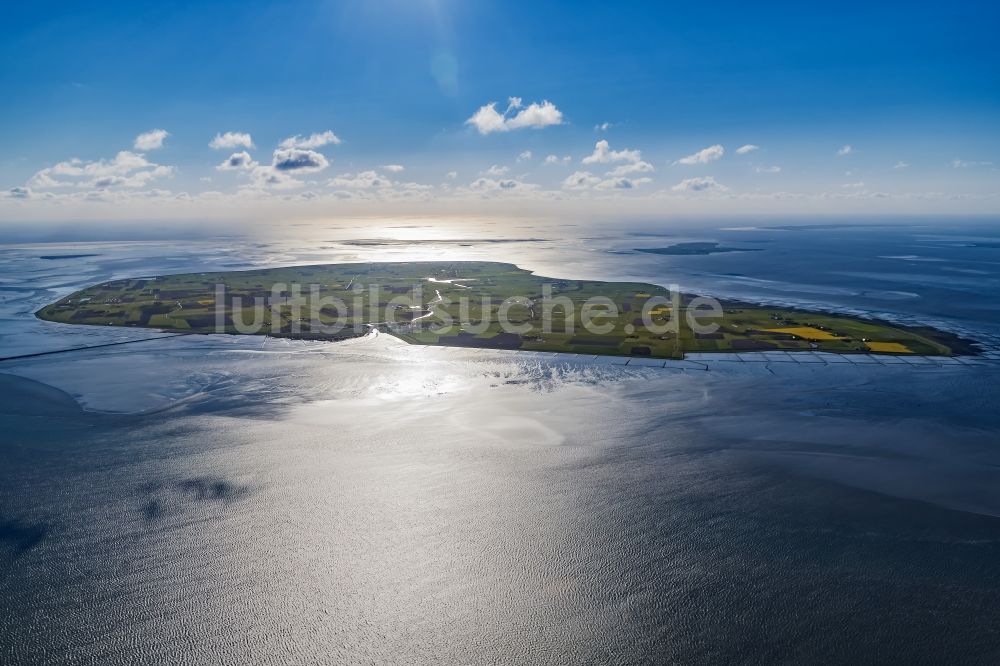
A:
[695,248]
[380,242]
[66,256]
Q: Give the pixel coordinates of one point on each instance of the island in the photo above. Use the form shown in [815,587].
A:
[479,304]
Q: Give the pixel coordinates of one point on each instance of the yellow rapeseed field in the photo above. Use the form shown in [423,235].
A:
[891,347]
[806,332]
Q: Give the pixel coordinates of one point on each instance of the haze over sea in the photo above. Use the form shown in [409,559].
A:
[218,498]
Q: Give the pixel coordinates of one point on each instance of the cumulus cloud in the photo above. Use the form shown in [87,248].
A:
[585,180]
[151,140]
[393,168]
[138,180]
[500,185]
[125,169]
[266,177]
[300,160]
[286,163]
[537,116]
[451,175]
[621,183]
[495,171]
[371,185]
[363,180]
[617,178]
[901,165]
[768,169]
[487,119]
[700,184]
[603,154]
[703,156]
[555,159]
[231,140]
[524,156]
[19,193]
[240,161]
[746,149]
[633,167]
[316,140]
[580,180]
[603,127]
[845,150]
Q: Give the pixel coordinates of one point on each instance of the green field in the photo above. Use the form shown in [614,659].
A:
[413,301]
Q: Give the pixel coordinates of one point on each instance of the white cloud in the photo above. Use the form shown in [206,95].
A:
[286,163]
[267,177]
[855,186]
[968,164]
[622,183]
[901,165]
[362,180]
[231,140]
[524,156]
[746,149]
[580,180]
[125,169]
[701,184]
[136,180]
[768,169]
[316,140]
[603,154]
[373,185]
[555,159]
[703,156]
[367,185]
[487,119]
[603,127]
[495,171]
[537,116]
[451,175]
[584,180]
[501,185]
[240,161]
[393,168]
[634,167]
[845,150]
[300,160]
[19,193]
[151,140]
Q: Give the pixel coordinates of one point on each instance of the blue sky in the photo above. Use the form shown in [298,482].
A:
[913,89]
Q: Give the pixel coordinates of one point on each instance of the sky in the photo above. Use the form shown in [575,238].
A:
[288,110]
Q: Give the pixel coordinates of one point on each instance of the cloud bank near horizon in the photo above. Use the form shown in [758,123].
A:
[604,175]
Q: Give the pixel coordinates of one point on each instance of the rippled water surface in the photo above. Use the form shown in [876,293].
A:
[225,499]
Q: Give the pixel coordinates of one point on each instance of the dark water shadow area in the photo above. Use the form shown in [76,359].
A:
[17,537]
[160,500]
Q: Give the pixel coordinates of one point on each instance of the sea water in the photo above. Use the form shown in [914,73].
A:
[235,499]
